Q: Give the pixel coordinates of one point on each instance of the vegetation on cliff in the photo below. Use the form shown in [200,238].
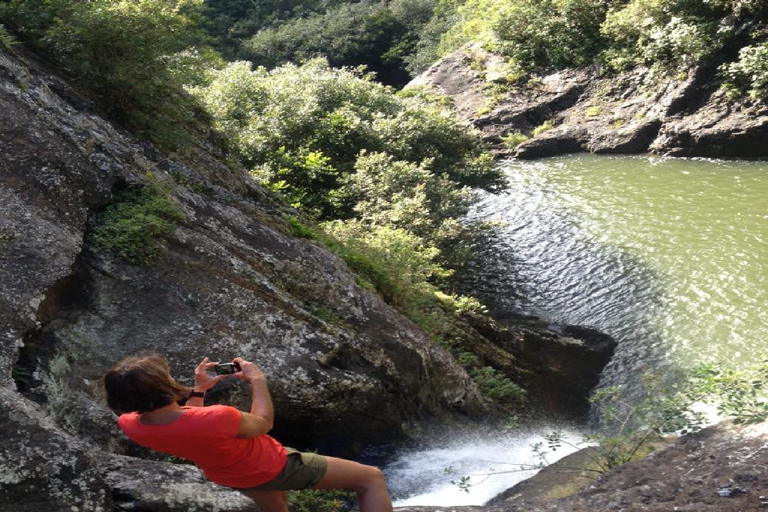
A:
[399,36]
[388,174]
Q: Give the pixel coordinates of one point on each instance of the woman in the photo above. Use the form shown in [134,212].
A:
[230,446]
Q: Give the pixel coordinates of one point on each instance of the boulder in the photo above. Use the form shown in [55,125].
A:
[639,111]
[559,365]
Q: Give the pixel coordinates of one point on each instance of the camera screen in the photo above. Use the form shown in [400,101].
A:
[226,368]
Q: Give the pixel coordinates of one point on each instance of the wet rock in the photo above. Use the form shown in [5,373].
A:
[558,365]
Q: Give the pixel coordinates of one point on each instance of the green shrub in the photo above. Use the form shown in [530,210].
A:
[534,35]
[497,386]
[302,129]
[398,263]
[136,223]
[401,194]
[654,31]
[749,75]
[669,34]
[514,139]
[130,56]
[543,127]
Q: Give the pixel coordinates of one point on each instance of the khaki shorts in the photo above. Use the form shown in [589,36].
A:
[302,471]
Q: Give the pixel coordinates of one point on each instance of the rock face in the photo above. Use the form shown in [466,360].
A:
[231,282]
[688,115]
[556,366]
[345,369]
[720,469]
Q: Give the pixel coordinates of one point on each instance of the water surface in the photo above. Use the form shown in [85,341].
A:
[670,256]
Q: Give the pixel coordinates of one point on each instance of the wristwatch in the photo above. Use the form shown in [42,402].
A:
[197,394]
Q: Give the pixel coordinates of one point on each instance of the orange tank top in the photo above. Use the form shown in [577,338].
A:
[207,436]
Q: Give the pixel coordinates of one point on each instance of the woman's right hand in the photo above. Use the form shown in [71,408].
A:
[248,370]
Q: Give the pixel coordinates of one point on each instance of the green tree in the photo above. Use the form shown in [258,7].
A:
[302,129]
[347,35]
[131,56]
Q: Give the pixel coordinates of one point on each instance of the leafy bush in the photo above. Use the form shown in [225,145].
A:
[130,56]
[514,139]
[404,195]
[303,127]
[497,386]
[535,35]
[397,262]
[750,73]
[543,127]
[656,31]
[136,223]
[675,33]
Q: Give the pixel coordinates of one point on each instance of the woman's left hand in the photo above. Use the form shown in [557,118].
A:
[204,380]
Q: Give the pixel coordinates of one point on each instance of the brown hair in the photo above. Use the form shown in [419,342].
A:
[142,383]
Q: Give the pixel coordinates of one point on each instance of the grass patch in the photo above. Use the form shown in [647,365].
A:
[593,111]
[514,139]
[544,127]
[136,224]
[618,123]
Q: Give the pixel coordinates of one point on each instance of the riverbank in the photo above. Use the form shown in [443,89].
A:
[584,110]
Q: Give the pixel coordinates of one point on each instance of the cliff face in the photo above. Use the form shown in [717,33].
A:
[687,115]
[230,283]
[345,369]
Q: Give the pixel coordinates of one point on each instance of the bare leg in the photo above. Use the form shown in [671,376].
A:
[269,501]
[367,481]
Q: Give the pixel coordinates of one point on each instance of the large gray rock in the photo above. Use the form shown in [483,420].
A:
[346,369]
[640,111]
[556,365]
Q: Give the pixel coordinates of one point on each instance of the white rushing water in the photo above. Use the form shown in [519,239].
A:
[428,477]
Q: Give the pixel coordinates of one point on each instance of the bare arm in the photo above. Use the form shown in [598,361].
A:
[261,417]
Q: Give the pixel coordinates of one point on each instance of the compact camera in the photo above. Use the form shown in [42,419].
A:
[227,368]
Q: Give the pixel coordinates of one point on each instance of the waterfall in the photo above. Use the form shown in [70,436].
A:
[491,463]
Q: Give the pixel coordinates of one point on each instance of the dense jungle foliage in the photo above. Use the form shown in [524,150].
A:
[396,38]
[381,176]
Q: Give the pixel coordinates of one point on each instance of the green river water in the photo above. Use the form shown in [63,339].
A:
[670,256]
